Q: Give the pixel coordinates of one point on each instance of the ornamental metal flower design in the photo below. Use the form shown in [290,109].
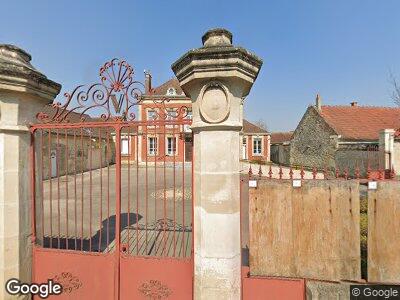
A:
[113,99]
[154,289]
[163,224]
[68,282]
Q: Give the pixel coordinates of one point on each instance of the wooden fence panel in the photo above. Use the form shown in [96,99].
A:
[312,231]
[384,233]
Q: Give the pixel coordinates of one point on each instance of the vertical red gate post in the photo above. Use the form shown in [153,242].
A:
[106,227]
[217,77]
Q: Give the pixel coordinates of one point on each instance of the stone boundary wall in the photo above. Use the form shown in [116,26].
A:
[384,233]
[308,232]
[87,157]
[280,154]
[353,159]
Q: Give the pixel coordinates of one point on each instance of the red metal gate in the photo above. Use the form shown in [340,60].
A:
[112,195]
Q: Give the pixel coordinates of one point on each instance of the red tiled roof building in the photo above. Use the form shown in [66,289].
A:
[344,137]
[166,146]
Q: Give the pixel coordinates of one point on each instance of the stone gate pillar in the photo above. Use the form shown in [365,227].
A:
[217,77]
[23,93]
[386,149]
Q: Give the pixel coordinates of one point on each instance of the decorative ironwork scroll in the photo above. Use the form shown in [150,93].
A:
[154,289]
[114,98]
[163,224]
[68,282]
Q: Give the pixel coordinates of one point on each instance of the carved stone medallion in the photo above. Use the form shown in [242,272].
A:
[214,103]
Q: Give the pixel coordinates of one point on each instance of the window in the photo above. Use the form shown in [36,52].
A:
[189,115]
[257,146]
[152,146]
[171,91]
[172,114]
[171,145]
[151,114]
[124,146]
[244,148]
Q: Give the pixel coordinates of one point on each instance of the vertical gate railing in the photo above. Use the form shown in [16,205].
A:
[112,185]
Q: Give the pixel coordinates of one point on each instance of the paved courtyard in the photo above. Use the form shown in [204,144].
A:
[156,210]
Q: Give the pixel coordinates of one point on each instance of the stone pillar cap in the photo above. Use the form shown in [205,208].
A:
[17,73]
[12,53]
[217,58]
[217,37]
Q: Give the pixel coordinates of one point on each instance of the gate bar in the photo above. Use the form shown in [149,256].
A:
[117,208]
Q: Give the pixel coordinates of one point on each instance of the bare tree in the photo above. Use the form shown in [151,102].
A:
[262,124]
[396,89]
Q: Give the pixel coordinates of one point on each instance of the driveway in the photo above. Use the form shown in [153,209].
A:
[156,210]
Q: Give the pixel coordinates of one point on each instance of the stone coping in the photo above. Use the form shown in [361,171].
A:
[217,52]
[15,68]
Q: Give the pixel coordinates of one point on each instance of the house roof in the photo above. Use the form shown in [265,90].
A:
[281,137]
[249,127]
[360,122]
[73,117]
[174,83]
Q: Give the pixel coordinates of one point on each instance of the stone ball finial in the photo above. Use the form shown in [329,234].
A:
[217,37]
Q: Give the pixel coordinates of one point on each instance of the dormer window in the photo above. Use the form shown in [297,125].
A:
[171,91]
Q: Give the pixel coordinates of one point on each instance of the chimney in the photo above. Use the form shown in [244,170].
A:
[354,103]
[318,102]
[147,82]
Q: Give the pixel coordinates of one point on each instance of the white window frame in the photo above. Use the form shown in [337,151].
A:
[254,139]
[172,114]
[170,153]
[152,153]
[244,148]
[171,91]
[125,146]
[148,112]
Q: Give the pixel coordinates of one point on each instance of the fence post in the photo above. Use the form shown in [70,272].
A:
[23,92]
[217,77]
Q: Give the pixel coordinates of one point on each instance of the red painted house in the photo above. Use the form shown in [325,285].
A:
[173,143]
[256,142]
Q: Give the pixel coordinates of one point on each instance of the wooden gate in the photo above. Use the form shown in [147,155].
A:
[115,220]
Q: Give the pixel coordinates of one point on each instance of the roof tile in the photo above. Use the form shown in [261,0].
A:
[361,122]
[281,137]
[252,128]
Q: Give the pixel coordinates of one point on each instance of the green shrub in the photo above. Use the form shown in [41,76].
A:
[363,204]
[364,224]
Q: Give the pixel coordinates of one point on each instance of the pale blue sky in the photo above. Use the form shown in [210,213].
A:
[341,49]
